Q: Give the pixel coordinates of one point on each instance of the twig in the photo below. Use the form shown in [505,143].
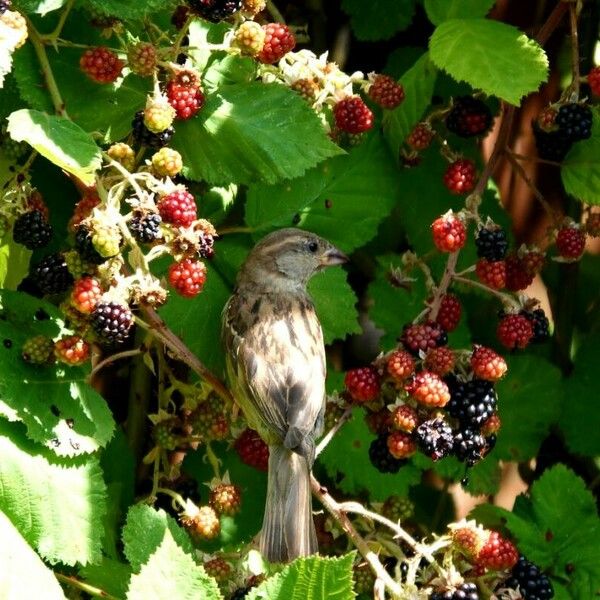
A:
[84,587]
[574,52]
[505,298]
[112,358]
[534,159]
[53,36]
[275,13]
[345,416]
[552,22]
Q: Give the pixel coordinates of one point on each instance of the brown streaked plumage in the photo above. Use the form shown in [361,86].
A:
[276,367]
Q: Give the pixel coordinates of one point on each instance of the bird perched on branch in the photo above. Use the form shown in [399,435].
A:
[276,368]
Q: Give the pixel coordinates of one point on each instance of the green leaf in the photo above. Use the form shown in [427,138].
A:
[252,132]
[580,417]
[418,83]
[379,19]
[60,140]
[14,263]
[56,403]
[557,528]
[529,399]
[145,530]
[501,60]
[311,578]
[229,70]
[41,7]
[335,302]
[109,575]
[439,11]
[127,9]
[580,171]
[23,574]
[343,200]
[347,455]
[171,574]
[57,507]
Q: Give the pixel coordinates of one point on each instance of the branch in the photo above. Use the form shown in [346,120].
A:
[112,358]
[85,587]
[574,52]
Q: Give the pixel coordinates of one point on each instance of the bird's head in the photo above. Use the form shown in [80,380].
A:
[287,258]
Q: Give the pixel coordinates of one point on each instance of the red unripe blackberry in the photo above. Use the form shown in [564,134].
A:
[363,384]
[491,426]
[532,261]
[449,233]
[279,40]
[594,80]
[86,294]
[592,225]
[226,499]
[420,137]
[178,208]
[404,418]
[400,365]
[514,331]
[498,553]
[83,209]
[386,92]
[518,277]
[440,361]
[468,117]
[187,100]
[252,450]
[112,323]
[187,277]
[218,568]
[460,176]
[570,242]
[32,230]
[101,64]
[492,274]
[401,445]
[422,336]
[381,458]
[352,115]
[546,118]
[449,313]
[72,350]
[487,364]
[428,389]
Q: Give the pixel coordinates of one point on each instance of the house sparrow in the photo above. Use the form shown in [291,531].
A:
[276,368]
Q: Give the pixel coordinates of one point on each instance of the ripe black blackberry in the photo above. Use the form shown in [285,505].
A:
[142,135]
[206,245]
[112,322]
[468,117]
[435,438]
[469,446]
[471,402]
[85,247]
[532,583]
[491,243]
[4,6]
[466,591]
[551,145]
[574,121]
[51,274]
[215,10]
[381,458]
[541,325]
[32,230]
[146,228]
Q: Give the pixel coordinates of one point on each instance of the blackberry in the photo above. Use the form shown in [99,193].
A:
[51,274]
[491,243]
[551,145]
[469,446]
[112,322]
[215,10]
[381,458]
[29,286]
[532,583]
[540,323]
[146,228]
[471,402]
[574,121]
[142,135]
[85,247]
[435,438]
[206,243]
[468,117]
[32,230]
[4,6]
[466,591]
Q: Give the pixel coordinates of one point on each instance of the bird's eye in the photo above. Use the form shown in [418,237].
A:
[313,246]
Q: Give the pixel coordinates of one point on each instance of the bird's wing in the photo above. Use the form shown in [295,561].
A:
[276,364]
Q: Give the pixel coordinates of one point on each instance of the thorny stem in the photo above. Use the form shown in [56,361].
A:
[53,36]
[534,159]
[574,52]
[84,587]
[329,435]
[38,46]
[112,358]
[505,298]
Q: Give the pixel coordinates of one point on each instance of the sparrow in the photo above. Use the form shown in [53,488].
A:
[275,360]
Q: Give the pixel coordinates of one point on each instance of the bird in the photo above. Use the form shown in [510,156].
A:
[275,362]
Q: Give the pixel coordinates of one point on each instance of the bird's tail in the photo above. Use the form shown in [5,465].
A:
[288,530]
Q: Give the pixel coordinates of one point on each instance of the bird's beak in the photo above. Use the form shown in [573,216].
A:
[332,257]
